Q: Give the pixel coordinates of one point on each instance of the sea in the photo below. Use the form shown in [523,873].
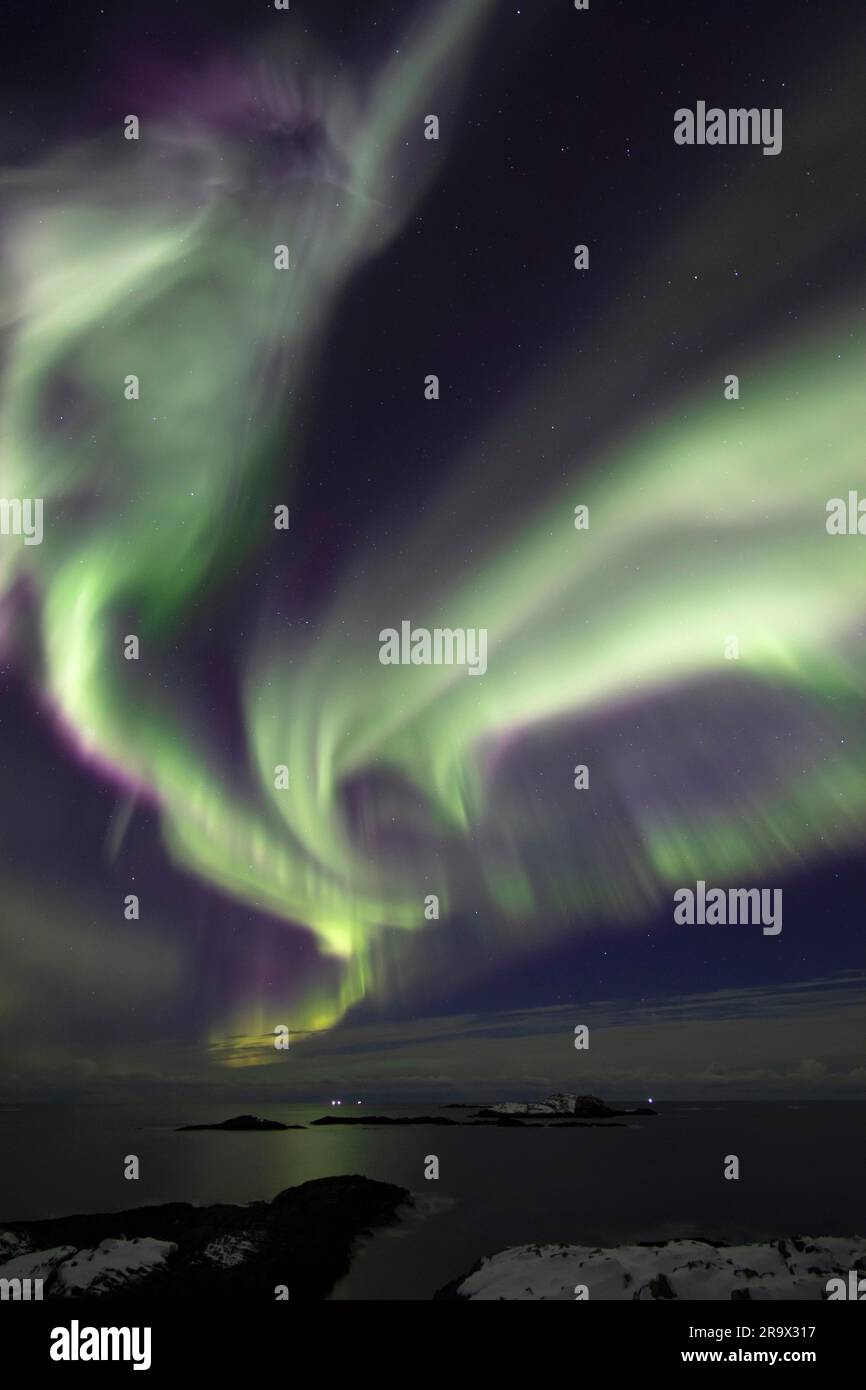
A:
[802,1171]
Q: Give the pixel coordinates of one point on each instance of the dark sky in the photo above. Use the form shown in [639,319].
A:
[562,134]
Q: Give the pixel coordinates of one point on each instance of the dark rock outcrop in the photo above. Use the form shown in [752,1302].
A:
[303,1239]
[384,1120]
[242,1122]
[562,1105]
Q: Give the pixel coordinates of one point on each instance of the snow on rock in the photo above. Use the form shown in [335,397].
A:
[796,1269]
[229,1250]
[35,1264]
[521,1107]
[560,1103]
[111,1264]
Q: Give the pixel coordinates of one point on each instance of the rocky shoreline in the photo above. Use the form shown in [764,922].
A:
[562,1107]
[800,1268]
[301,1241]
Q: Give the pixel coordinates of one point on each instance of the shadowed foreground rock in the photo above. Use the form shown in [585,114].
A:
[303,1239]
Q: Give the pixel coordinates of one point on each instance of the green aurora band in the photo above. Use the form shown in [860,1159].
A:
[706,522]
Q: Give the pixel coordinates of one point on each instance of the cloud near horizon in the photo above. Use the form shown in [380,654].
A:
[808,1037]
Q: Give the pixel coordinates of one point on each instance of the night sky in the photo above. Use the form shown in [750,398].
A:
[259,647]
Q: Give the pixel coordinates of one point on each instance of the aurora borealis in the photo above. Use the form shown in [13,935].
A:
[259,647]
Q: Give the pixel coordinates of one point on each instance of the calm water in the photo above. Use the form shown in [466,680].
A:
[802,1171]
